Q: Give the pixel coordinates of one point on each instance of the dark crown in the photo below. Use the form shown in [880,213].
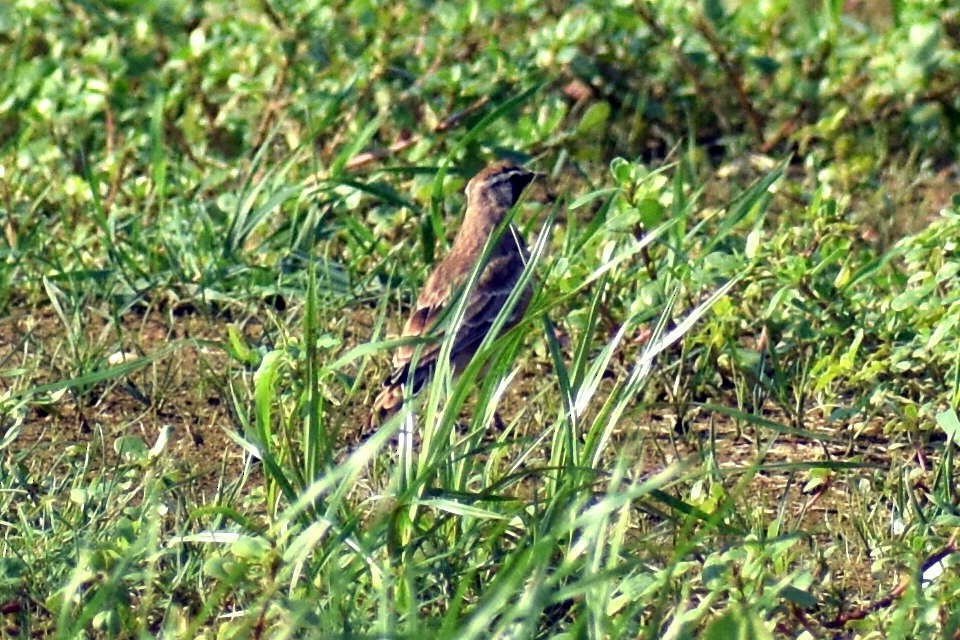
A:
[499,184]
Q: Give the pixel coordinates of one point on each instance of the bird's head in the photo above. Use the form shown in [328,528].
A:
[498,187]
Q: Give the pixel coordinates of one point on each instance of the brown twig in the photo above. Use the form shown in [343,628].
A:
[273,107]
[407,139]
[115,183]
[404,142]
[111,126]
[809,624]
[895,594]
[817,494]
[454,120]
[11,607]
[786,130]
[272,14]
[735,74]
[688,67]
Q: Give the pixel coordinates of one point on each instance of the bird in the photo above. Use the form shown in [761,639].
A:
[491,194]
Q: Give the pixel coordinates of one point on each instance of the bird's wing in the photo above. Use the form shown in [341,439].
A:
[494,286]
[431,304]
[488,296]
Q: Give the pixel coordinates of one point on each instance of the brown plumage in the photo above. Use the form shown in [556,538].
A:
[490,196]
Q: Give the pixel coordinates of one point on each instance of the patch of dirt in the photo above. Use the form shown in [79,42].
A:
[767,475]
[835,485]
[186,388]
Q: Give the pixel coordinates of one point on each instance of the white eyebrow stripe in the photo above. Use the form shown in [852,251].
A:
[502,176]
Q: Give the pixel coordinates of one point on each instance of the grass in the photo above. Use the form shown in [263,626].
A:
[730,410]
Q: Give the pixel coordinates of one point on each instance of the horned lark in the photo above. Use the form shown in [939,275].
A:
[490,196]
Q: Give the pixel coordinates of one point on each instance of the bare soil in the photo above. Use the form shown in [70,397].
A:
[189,389]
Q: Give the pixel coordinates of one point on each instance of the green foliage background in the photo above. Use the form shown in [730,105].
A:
[298,165]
